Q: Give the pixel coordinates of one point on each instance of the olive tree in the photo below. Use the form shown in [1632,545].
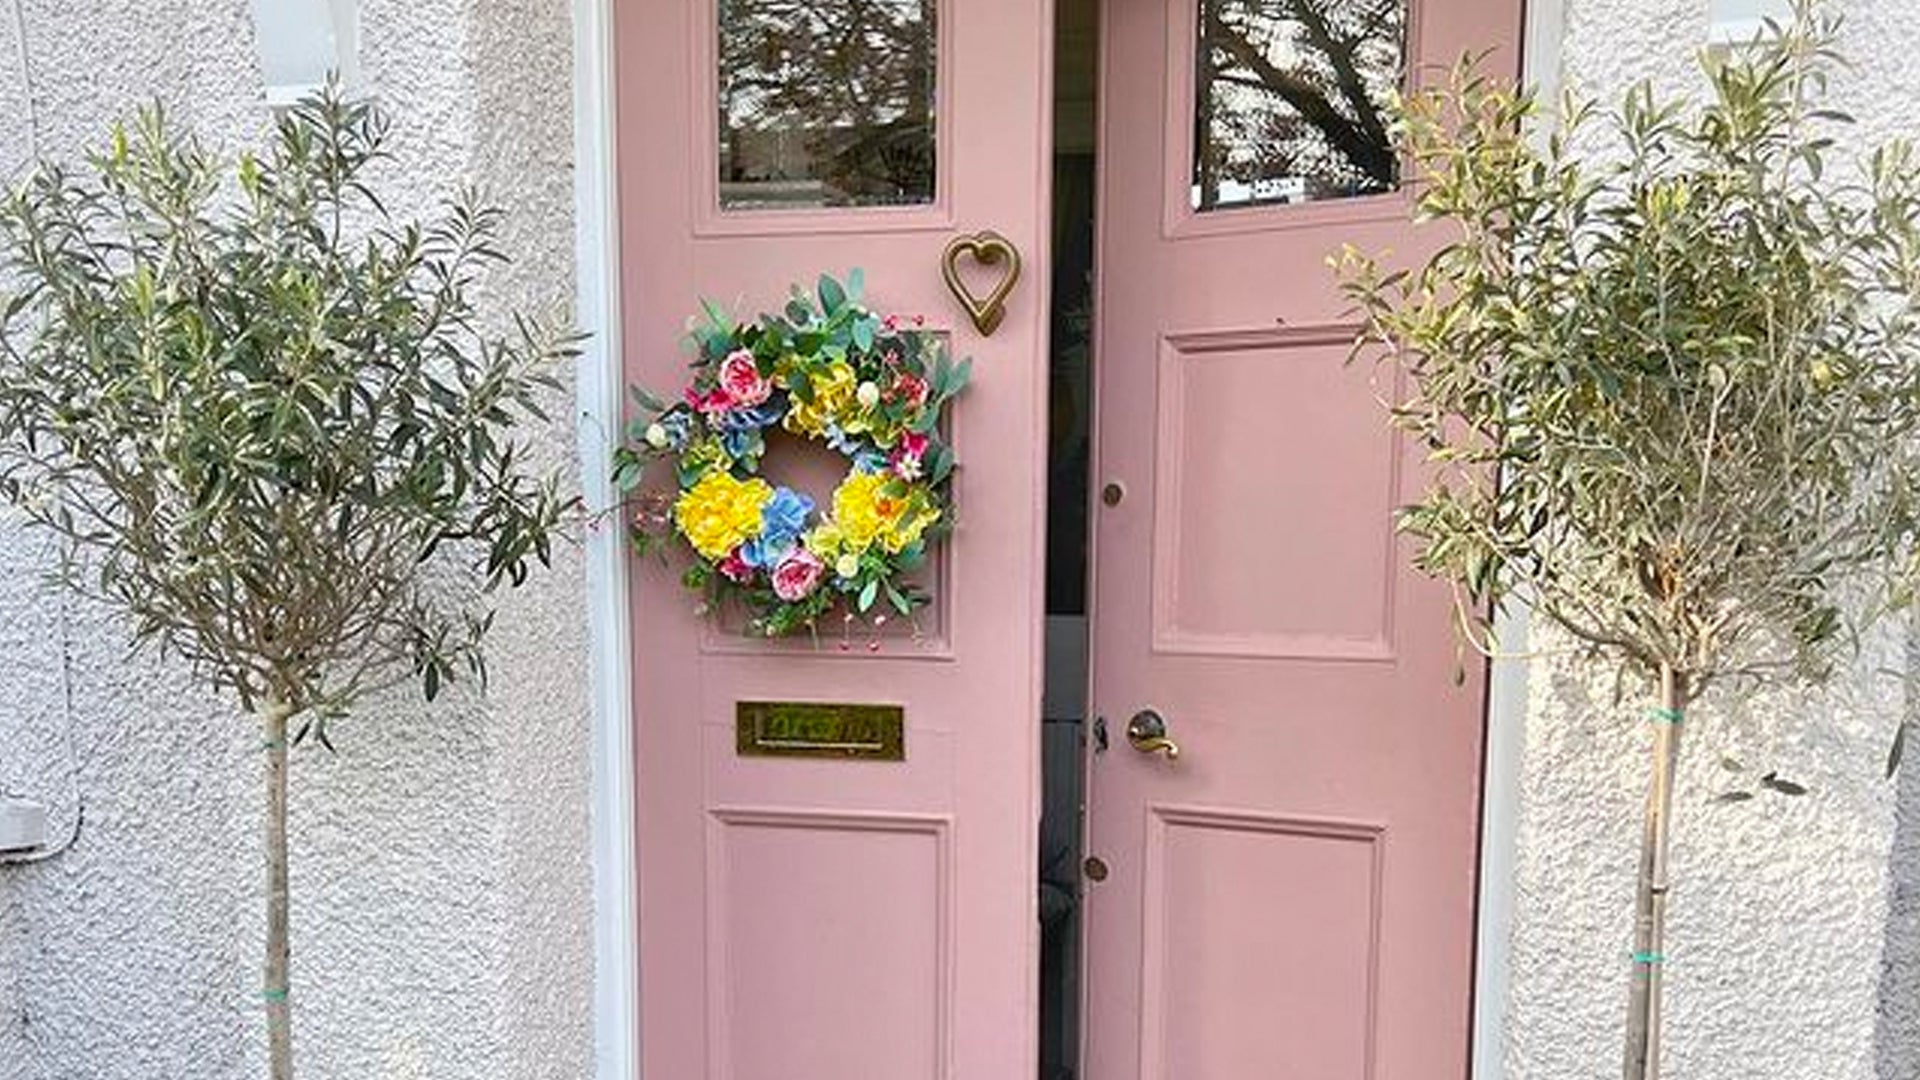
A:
[1670,393]
[270,426]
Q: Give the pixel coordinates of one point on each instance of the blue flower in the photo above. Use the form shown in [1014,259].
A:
[841,441]
[740,430]
[679,428]
[735,420]
[742,445]
[765,554]
[866,457]
[784,517]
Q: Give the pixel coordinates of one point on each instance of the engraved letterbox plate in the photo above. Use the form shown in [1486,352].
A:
[819,729]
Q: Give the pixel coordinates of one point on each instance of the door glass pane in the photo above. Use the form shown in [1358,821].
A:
[1290,102]
[826,103]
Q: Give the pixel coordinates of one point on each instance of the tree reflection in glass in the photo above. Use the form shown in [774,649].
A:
[826,103]
[1290,100]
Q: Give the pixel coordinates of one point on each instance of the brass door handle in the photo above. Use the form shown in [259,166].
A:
[1147,731]
[988,248]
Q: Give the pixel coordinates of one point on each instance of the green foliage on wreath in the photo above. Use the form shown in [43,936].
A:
[826,368]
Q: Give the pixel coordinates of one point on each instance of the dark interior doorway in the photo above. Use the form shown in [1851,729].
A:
[1076,52]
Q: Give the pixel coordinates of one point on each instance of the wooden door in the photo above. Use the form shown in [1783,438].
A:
[1293,895]
[810,919]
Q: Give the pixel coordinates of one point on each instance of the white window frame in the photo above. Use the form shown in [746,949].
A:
[341,50]
[1727,31]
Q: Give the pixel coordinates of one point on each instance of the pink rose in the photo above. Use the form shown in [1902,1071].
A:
[736,568]
[911,389]
[906,456]
[741,379]
[797,575]
[713,401]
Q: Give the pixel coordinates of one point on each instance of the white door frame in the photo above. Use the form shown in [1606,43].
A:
[1544,24]
[599,397]
[599,392]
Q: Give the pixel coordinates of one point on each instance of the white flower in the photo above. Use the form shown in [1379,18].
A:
[657,436]
[847,565]
[868,395]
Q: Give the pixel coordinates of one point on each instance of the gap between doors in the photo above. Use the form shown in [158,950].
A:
[1069,460]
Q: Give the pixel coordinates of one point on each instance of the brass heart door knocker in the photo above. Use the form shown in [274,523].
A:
[988,248]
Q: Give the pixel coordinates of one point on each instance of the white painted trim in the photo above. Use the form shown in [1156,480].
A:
[599,394]
[1545,34]
[1499,844]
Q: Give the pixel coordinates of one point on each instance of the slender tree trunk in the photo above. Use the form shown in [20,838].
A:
[1650,906]
[274,990]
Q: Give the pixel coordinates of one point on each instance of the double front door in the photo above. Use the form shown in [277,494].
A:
[1282,764]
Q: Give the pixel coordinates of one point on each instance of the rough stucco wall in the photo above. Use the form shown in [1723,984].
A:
[1897,1043]
[441,886]
[523,153]
[1886,96]
[1781,910]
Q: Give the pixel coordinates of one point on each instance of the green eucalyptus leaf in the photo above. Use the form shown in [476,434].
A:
[832,296]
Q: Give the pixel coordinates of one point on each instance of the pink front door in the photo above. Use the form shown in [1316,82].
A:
[1292,896]
[809,919]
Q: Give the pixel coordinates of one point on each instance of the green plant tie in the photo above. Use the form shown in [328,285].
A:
[1649,958]
[274,995]
[1667,716]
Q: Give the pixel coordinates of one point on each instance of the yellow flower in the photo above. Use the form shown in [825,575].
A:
[705,456]
[908,527]
[833,402]
[861,511]
[825,541]
[720,513]
[864,513]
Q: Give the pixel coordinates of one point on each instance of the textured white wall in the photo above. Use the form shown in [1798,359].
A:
[440,877]
[1781,933]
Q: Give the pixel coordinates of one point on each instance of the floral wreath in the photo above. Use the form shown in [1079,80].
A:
[827,369]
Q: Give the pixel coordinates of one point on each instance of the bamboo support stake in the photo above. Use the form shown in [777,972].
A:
[1650,907]
[274,988]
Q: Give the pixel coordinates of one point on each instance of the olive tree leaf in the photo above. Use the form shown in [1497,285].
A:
[271,422]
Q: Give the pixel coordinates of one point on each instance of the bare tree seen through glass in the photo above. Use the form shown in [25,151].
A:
[826,103]
[1291,99]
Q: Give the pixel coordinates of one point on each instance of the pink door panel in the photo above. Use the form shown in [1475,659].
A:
[1291,897]
[822,919]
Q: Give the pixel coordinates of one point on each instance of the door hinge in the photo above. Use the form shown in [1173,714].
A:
[1099,734]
